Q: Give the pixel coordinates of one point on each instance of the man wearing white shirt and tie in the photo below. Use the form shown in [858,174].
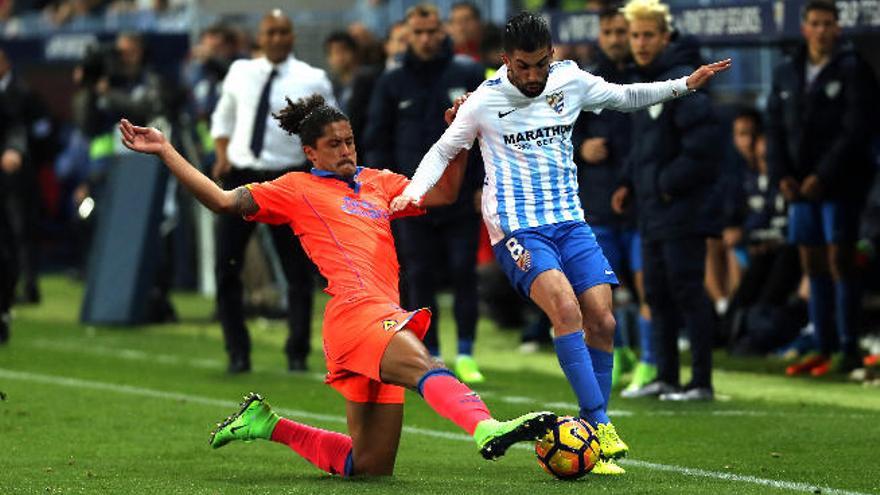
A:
[251,149]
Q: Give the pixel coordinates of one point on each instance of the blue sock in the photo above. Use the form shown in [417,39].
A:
[646,340]
[847,299]
[603,363]
[465,347]
[578,368]
[819,309]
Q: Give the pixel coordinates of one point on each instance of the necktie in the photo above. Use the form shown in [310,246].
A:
[259,132]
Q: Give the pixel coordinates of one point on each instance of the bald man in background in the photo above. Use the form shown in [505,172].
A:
[250,148]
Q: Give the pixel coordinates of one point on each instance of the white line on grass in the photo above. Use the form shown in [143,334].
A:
[227,404]
[216,364]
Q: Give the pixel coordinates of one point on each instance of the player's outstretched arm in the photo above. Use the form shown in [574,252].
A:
[704,73]
[636,96]
[446,190]
[150,140]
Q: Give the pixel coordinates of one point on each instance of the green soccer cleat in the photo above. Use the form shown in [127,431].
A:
[495,437]
[607,467]
[467,370]
[624,362]
[644,374]
[611,446]
[254,420]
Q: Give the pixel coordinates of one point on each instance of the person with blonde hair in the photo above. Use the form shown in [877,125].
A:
[671,171]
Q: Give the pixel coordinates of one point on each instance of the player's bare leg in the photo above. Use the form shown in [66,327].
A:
[598,318]
[646,370]
[552,292]
[583,368]
[406,362]
[375,434]
[814,262]
[596,307]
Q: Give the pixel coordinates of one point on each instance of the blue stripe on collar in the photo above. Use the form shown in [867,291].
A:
[352,181]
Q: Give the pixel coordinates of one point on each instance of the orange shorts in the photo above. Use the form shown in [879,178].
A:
[357,329]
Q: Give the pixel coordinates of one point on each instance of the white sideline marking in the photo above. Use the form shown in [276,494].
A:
[170,359]
[216,364]
[702,473]
[159,394]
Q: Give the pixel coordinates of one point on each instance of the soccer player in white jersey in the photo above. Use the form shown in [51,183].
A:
[523,118]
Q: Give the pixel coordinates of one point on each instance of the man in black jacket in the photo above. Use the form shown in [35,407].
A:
[405,119]
[818,152]
[602,142]
[13,146]
[672,169]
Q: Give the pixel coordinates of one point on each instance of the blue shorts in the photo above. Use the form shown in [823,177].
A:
[622,247]
[569,247]
[817,224]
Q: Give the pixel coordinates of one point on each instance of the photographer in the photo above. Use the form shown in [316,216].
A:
[115,81]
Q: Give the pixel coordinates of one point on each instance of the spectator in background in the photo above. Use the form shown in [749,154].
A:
[772,274]
[395,44]
[352,82]
[113,80]
[250,148]
[13,147]
[24,113]
[820,116]
[63,11]
[672,169]
[405,119]
[7,10]
[370,49]
[603,142]
[466,30]
[204,73]
[341,51]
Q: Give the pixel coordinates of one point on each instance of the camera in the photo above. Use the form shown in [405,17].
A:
[101,60]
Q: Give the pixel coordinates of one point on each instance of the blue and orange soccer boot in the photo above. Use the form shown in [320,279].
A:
[495,437]
[254,420]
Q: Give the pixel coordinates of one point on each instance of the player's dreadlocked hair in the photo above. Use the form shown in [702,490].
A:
[526,31]
[307,117]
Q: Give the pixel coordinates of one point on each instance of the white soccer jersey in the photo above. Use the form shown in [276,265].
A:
[531,179]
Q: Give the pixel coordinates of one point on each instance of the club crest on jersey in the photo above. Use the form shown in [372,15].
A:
[556,101]
[389,324]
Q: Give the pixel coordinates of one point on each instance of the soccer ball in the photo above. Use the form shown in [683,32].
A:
[569,450]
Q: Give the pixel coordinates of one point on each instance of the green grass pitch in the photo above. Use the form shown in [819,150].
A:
[103,410]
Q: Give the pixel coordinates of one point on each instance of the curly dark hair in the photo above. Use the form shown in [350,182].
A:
[526,31]
[307,117]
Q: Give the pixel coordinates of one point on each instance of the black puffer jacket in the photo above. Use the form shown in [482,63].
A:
[823,129]
[673,164]
[406,115]
[597,181]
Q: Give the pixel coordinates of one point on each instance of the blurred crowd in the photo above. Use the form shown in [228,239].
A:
[60,12]
[763,272]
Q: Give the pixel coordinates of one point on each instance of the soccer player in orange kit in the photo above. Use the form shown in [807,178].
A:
[372,346]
